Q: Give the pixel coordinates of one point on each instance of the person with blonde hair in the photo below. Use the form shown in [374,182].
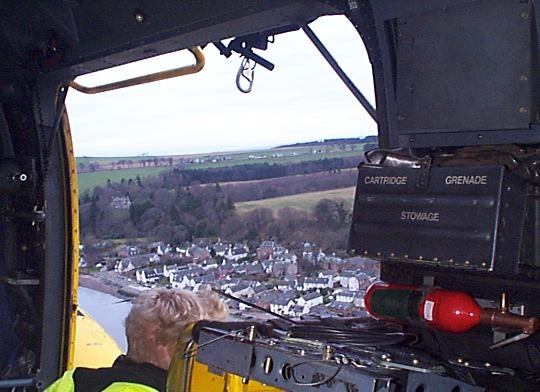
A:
[153,325]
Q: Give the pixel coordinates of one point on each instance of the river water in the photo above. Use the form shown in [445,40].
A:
[107,312]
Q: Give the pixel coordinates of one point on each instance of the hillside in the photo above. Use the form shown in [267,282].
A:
[94,172]
[304,201]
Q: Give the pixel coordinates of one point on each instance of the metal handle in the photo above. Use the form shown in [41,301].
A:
[154,77]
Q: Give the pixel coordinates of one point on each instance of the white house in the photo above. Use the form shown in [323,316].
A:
[148,276]
[345,296]
[316,283]
[168,269]
[238,290]
[281,305]
[359,281]
[209,264]
[331,275]
[181,282]
[310,300]
[345,277]
[130,263]
[236,252]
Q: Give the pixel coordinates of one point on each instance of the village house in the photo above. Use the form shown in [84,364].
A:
[228,282]
[359,281]
[168,269]
[82,262]
[320,311]
[341,308]
[345,296]
[237,252]
[149,276]
[198,254]
[257,290]
[281,305]
[287,257]
[316,283]
[310,300]
[297,311]
[241,289]
[205,280]
[183,276]
[240,269]
[121,202]
[181,281]
[210,264]
[158,248]
[130,263]
[307,252]
[285,285]
[254,269]
[219,249]
[332,276]
[361,264]
[124,251]
[333,262]
[312,254]
[345,277]
[281,269]
[266,250]
[266,298]
[267,266]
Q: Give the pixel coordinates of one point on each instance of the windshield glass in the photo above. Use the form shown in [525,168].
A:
[191,183]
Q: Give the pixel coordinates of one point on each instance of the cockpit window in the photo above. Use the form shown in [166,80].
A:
[191,183]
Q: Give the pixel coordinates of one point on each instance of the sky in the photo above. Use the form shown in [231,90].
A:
[301,100]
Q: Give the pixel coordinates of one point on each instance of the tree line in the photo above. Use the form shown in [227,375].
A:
[176,207]
[254,171]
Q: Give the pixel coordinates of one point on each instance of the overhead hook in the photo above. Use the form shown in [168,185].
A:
[246,71]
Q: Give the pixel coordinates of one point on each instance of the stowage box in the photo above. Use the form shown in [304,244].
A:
[454,217]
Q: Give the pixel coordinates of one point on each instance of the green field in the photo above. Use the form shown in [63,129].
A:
[303,201]
[243,159]
[281,155]
[88,181]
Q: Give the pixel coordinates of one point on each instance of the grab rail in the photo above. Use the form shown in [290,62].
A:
[154,77]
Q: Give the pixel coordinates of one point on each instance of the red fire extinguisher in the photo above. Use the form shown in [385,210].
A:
[445,310]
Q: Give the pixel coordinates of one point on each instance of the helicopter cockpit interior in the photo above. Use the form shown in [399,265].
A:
[449,202]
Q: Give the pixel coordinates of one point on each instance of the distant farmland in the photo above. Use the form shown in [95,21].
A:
[303,201]
[89,180]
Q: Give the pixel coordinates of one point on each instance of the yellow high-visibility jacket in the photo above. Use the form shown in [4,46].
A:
[123,376]
[67,384]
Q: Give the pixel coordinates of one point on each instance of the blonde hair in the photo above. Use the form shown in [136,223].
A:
[158,317]
[213,307]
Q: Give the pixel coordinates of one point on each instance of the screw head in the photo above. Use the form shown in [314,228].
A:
[139,17]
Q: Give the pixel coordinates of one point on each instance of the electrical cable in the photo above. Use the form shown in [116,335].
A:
[372,337]
[224,294]
[316,383]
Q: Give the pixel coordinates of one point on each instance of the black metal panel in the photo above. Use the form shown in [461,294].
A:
[309,369]
[225,354]
[451,217]
[457,67]
[434,382]
[100,34]
[471,138]
[458,70]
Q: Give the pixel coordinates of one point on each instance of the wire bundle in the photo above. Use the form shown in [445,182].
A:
[372,336]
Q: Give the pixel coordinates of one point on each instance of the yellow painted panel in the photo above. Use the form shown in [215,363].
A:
[94,348]
[74,244]
[204,380]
